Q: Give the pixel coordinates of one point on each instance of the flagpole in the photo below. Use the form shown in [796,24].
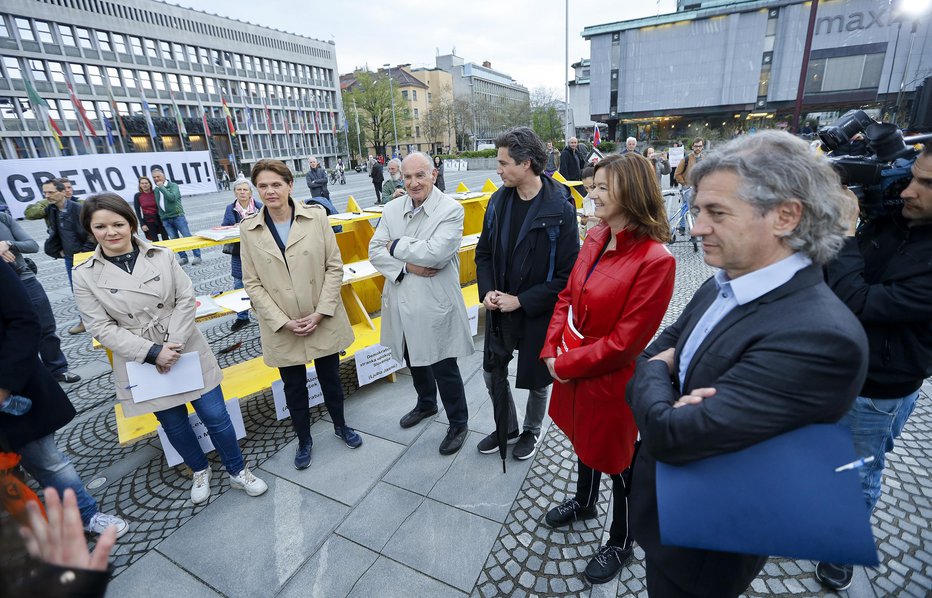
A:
[40,106]
[115,115]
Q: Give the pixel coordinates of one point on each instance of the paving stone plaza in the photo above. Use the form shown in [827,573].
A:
[395,518]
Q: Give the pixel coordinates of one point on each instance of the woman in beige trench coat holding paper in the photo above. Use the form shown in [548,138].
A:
[138,302]
[292,272]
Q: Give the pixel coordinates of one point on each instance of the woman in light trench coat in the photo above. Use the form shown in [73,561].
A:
[292,272]
[138,302]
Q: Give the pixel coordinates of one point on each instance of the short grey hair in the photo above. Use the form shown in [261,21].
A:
[240,180]
[314,158]
[394,161]
[630,139]
[774,167]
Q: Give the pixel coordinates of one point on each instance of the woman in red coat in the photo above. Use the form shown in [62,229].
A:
[616,297]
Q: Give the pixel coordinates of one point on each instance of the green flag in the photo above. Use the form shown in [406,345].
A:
[34,98]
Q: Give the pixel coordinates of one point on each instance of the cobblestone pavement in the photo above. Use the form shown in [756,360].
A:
[527,558]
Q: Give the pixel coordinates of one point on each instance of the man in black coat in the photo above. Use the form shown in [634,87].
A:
[377,178]
[32,435]
[316,179]
[572,161]
[763,348]
[524,257]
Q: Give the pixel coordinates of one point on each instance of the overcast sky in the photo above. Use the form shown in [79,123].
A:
[523,38]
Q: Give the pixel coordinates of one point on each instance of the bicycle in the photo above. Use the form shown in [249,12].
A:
[682,220]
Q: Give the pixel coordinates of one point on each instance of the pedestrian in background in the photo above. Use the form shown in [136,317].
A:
[243,206]
[375,173]
[293,273]
[438,166]
[613,304]
[659,163]
[553,160]
[147,211]
[572,160]
[316,179]
[171,212]
[393,186]
[138,302]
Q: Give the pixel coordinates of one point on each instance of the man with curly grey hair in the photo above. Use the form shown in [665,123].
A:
[763,348]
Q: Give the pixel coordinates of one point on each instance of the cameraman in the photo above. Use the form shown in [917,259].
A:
[884,275]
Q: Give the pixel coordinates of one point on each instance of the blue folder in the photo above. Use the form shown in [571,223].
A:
[780,497]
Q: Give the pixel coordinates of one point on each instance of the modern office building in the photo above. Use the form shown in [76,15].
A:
[579,100]
[493,96]
[281,89]
[732,65]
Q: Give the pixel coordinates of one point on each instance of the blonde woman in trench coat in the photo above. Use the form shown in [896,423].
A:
[138,302]
[292,272]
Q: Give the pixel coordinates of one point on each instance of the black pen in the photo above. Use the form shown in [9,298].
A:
[351,270]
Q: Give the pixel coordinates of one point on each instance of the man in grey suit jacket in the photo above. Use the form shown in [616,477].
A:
[763,348]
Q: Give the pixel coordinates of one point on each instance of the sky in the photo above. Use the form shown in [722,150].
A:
[522,38]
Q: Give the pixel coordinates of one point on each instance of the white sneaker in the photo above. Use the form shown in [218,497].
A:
[200,489]
[248,482]
[101,521]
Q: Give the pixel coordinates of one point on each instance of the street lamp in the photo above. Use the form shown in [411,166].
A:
[391,91]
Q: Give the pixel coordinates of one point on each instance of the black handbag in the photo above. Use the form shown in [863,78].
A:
[231,249]
[53,247]
[31,265]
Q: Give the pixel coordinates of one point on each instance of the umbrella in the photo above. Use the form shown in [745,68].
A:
[494,357]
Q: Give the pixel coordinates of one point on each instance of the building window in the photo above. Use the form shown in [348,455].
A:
[94,74]
[25,30]
[4,32]
[145,79]
[119,43]
[238,61]
[842,73]
[429,99]
[136,43]
[404,94]
[58,73]
[103,41]
[192,54]
[129,81]
[12,68]
[186,83]
[159,80]
[84,38]
[166,50]
[114,76]
[209,83]
[417,131]
[414,95]
[204,56]
[416,115]
[198,84]
[178,50]
[150,48]
[38,70]
[45,32]
[173,82]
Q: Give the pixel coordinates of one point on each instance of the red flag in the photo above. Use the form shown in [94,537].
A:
[597,138]
[316,123]
[207,132]
[81,112]
[268,118]
[286,118]
[226,112]
[333,119]
[301,121]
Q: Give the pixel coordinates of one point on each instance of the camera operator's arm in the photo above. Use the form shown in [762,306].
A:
[896,298]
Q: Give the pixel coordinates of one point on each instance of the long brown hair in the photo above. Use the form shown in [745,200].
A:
[107,201]
[632,184]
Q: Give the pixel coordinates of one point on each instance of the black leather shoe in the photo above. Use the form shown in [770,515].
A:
[836,577]
[453,441]
[68,377]
[414,417]
[606,563]
[238,324]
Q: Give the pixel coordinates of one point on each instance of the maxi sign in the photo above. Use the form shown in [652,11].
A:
[21,180]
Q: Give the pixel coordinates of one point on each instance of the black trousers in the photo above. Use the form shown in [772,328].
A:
[587,493]
[445,377]
[378,191]
[294,378]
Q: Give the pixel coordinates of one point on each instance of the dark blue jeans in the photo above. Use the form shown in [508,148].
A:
[69,264]
[240,315]
[49,343]
[50,467]
[176,228]
[213,412]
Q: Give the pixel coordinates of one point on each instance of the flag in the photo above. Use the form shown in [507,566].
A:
[39,103]
[82,114]
[116,113]
[334,121]
[182,130]
[249,119]
[146,111]
[226,112]
[597,137]
[316,123]
[109,129]
[301,118]
[268,118]
[207,132]
[285,117]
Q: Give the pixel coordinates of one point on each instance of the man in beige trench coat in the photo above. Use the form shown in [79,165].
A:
[416,247]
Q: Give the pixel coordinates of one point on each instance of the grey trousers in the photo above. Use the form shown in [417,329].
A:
[536,402]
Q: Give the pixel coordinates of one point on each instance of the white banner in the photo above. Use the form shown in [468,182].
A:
[373,363]
[315,394]
[200,432]
[675,155]
[451,165]
[21,180]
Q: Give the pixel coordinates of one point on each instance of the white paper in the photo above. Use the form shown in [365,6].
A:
[675,156]
[238,300]
[470,240]
[358,270]
[200,432]
[316,395]
[206,306]
[375,209]
[347,216]
[473,314]
[146,383]
[373,363]
[220,233]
